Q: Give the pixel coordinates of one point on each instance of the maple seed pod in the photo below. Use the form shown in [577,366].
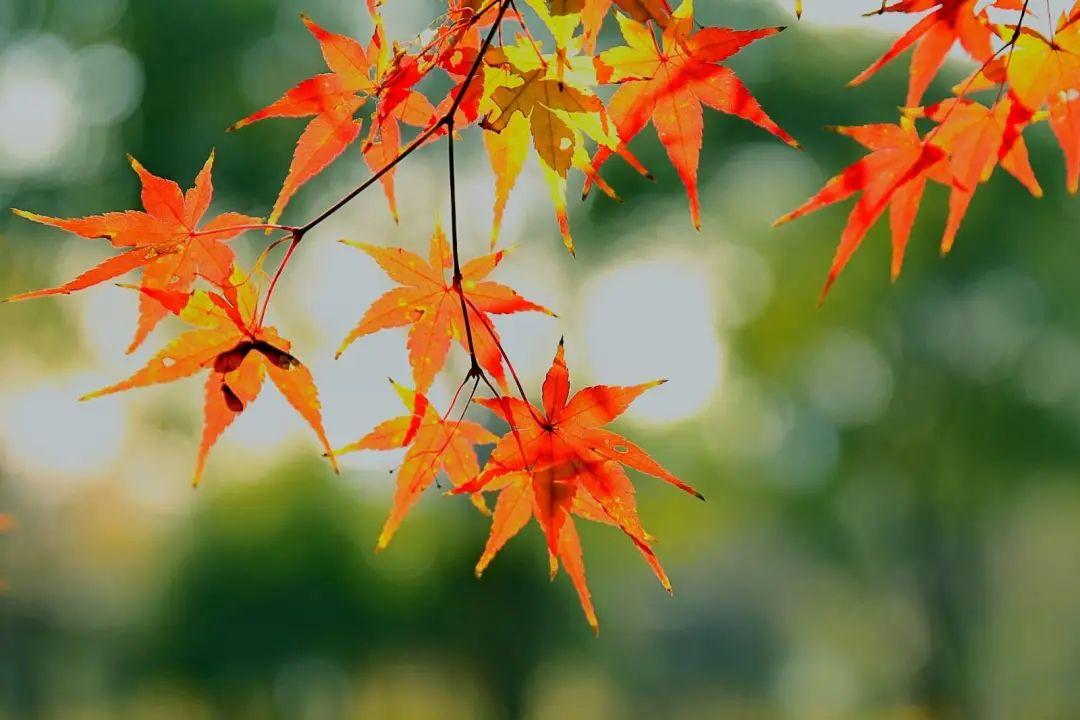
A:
[230,360]
[276,356]
[232,401]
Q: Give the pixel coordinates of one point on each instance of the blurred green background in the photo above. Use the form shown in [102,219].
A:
[893,524]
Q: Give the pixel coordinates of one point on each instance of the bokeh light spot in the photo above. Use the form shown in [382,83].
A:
[651,319]
[47,433]
[37,109]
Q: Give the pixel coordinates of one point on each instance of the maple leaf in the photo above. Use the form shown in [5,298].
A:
[562,17]
[434,443]
[546,99]
[893,176]
[507,152]
[948,23]
[1038,70]
[593,13]
[166,241]
[428,302]
[461,13]
[657,11]
[666,84]
[1065,123]
[398,104]
[237,351]
[1042,72]
[1051,69]
[979,138]
[356,74]
[558,461]
[456,53]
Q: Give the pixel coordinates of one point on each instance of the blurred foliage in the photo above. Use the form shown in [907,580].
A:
[276,574]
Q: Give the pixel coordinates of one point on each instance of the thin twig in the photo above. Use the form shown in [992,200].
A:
[1010,45]
[443,122]
[412,147]
[505,357]
[446,121]
[475,369]
[277,276]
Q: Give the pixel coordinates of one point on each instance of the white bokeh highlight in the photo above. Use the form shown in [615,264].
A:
[654,318]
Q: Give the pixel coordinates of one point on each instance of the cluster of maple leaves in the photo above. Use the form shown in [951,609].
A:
[1027,76]
[555,460]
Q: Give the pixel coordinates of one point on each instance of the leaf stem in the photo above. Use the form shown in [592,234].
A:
[277,276]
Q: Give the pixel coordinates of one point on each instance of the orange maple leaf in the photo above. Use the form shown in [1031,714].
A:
[239,353]
[1044,72]
[165,240]
[434,443]
[398,104]
[978,139]
[558,461]
[666,84]
[893,176]
[428,301]
[1065,104]
[1065,122]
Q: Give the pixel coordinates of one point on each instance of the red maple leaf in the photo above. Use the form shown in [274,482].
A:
[893,176]
[559,461]
[667,83]
[949,22]
[978,139]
